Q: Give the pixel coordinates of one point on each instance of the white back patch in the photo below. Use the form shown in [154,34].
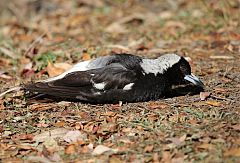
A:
[128,86]
[159,65]
[84,66]
[81,66]
[99,86]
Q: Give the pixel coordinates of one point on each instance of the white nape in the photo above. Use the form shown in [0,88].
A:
[128,86]
[159,65]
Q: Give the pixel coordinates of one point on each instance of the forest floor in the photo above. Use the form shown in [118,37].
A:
[43,38]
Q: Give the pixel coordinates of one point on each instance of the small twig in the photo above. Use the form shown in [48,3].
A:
[221,98]
[33,44]
[17,88]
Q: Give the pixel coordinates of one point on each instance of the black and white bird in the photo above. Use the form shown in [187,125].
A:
[119,77]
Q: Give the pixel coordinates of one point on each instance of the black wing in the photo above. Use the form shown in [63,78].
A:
[81,85]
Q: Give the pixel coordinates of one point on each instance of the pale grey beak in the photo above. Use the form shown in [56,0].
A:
[193,79]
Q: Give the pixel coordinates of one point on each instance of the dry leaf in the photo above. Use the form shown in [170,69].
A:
[115,160]
[166,157]
[175,24]
[100,149]
[154,105]
[38,159]
[230,48]
[178,141]
[59,124]
[148,148]
[53,71]
[116,28]
[213,103]
[206,146]
[56,133]
[51,145]
[42,107]
[73,136]
[232,152]
[64,66]
[236,127]
[204,95]
[57,68]
[85,57]
[220,90]
[166,15]
[70,149]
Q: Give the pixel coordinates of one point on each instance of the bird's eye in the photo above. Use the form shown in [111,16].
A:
[185,70]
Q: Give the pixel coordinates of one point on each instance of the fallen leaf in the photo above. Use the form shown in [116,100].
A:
[59,124]
[54,70]
[22,137]
[51,145]
[213,103]
[178,160]
[220,90]
[64,66]
[204,95]
[166,15]
[236,127]
[178,141]
[154,105]
[232,152]
[42,107]
[175,24]
[56,133]
[115,160]
[100,149]
[70,149]
[73,136]
[116,28]
[38,159]
[166,157]
[42,125]
[230,48]
[85,57]
[206,146]
[155,158]
[148,148]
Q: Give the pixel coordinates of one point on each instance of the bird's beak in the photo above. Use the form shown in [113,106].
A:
[193,79]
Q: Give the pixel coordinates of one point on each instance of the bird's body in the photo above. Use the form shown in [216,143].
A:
[114,78]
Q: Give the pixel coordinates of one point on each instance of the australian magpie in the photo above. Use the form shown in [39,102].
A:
[119,77]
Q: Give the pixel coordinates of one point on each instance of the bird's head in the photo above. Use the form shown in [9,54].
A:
[180,73]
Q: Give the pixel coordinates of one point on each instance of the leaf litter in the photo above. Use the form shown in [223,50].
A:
[41,39]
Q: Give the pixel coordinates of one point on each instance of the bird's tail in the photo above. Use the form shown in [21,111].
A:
[79,93]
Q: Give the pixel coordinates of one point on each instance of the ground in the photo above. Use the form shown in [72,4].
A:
[43,38]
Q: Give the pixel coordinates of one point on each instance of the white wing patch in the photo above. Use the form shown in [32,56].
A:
[159,65]
[99,86]
[128,86]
